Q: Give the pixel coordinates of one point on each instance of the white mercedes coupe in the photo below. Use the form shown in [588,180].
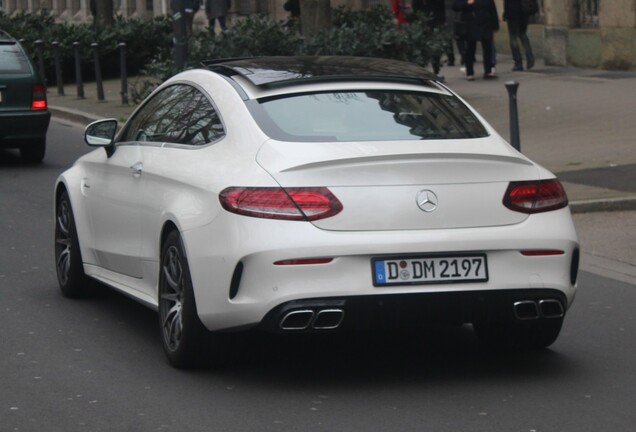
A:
[316,194]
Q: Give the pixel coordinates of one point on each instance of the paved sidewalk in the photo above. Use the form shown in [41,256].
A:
[579,123]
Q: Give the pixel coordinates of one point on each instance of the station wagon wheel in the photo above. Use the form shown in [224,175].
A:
[33,152]
[183,334]
[68,260]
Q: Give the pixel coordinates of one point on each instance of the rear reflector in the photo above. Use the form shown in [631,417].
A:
[541,252]
[38,101]
[308,261]
[277,203]
[535,196]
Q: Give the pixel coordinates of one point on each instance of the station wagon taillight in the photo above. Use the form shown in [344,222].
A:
[535,196]
[311,203]
[38,101]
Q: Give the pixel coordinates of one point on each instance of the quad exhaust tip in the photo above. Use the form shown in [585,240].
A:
[323,319]
[531,310]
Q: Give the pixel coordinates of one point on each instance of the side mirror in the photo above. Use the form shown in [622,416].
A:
[101,133]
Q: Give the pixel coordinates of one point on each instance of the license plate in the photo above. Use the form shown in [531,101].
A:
[429,269]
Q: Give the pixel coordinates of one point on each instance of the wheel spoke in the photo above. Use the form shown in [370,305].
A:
[63,241]
[64,264]
[173,284]
[63,219]
[171,297]
[172,270]
[172,326]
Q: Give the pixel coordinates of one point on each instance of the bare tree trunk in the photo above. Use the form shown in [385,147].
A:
[104,12]
[315,15]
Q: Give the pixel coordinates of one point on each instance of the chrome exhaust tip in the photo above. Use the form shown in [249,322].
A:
[551,308]
[526,310]
[328,319]
[297,320]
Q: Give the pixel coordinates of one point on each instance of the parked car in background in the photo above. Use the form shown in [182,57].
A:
[24,115]
[316,194]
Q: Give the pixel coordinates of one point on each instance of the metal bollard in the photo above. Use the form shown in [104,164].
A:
[38,50]
[122,70]
[78,70]
[512,87]
[58,68]
[98,73]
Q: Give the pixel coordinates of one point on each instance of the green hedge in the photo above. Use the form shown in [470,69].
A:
[370,33]
[145,41]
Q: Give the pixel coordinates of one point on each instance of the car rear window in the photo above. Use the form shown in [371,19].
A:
[13,60]
[369,115]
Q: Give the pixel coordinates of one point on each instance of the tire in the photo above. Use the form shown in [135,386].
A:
[532,335]
[183,336]
[34,151]
[68,259]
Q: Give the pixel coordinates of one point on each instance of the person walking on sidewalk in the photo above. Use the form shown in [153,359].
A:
[216,10]
[482,20]
[436,11]
[517,30]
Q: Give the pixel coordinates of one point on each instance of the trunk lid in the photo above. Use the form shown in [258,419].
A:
[401,185]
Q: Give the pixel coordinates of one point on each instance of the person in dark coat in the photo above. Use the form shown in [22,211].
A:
[517,31]
[217,10]
[481,20]
[191,8]
[293,7]
[437,11]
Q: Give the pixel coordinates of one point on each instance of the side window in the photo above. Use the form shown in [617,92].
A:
[179,114]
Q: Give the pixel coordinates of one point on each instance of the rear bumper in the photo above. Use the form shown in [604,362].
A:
[21,127]
[238,285]
[393,311]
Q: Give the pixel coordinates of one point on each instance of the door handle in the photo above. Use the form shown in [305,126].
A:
[137,169]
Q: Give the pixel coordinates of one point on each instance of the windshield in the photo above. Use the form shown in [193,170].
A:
[371,115]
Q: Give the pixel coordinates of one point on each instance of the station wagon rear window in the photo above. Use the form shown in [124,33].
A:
[369,115]
[12,61]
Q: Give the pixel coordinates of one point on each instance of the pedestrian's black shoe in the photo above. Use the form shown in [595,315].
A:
[517,68]
[530,64]
[490,75]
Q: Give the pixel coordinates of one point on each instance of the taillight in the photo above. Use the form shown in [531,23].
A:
[277,203]
[535,196]
[38,102]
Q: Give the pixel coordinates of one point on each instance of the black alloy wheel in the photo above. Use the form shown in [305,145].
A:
[34,151]
[68,260]
[183,335]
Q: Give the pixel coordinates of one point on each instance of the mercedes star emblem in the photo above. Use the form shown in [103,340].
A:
[426,200]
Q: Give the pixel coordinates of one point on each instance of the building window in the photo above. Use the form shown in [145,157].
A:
[588,13]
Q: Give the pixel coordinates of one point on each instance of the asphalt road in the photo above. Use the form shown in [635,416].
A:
[96,364]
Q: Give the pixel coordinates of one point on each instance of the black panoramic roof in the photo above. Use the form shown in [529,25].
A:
[284,71]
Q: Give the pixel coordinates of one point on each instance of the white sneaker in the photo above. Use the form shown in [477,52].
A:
[462,68]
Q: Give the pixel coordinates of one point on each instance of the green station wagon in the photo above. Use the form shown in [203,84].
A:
[24,116]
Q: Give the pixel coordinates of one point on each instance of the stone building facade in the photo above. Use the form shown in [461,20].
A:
[585,33]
